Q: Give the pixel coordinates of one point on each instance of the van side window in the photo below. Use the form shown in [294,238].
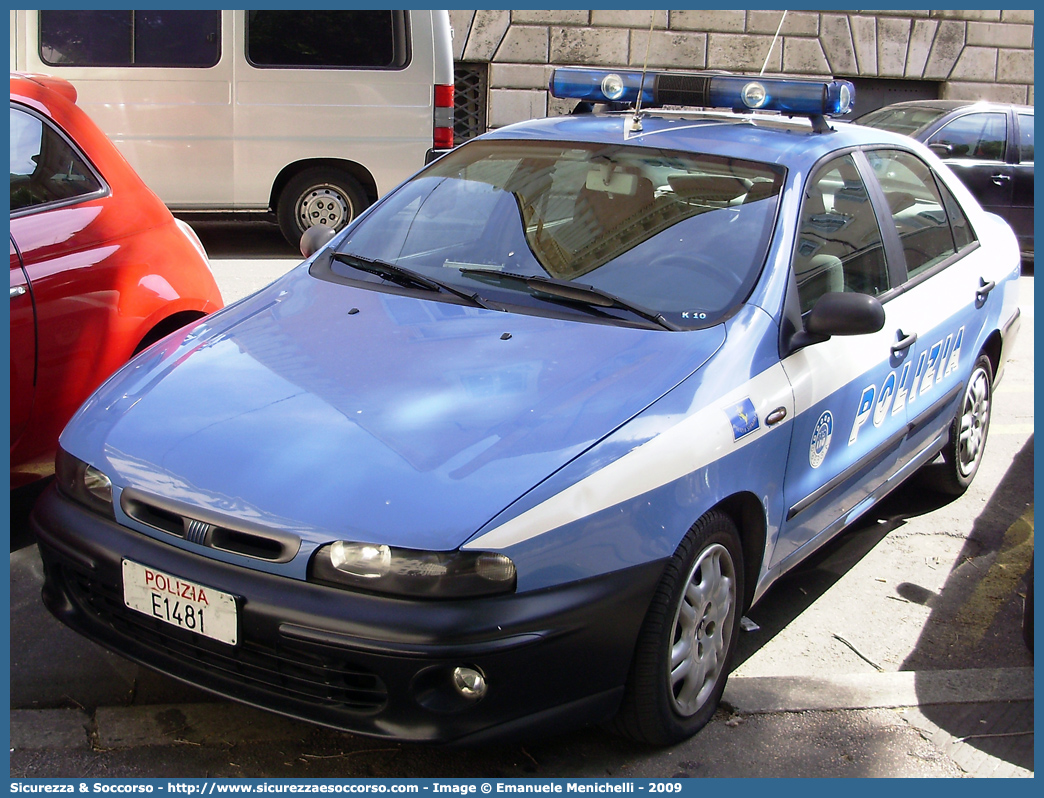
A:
[330,39]
[130,38]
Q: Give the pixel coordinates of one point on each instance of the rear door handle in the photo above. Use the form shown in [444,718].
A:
[17,290]
[904,342]
[1000,179]
[984,290]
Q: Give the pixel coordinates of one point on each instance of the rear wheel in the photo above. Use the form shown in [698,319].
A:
[320,195]
[963,452]
[685,647]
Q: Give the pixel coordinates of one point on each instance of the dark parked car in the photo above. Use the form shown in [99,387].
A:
[988,145]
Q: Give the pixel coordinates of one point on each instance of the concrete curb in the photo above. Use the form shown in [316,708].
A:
[204,724]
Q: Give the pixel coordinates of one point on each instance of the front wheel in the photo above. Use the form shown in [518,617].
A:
[320,195]
[963,452]
[685,647]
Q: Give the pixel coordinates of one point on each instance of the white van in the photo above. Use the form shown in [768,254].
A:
[311,115]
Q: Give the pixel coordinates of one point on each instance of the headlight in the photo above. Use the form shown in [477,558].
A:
[408,572]
[83,483]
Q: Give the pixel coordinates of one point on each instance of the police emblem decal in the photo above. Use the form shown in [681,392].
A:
[744,418]
[821,434]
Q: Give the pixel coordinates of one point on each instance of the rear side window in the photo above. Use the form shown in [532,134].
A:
[931,226]
[45,168]
[130,38]
[1026,138]
[327,39]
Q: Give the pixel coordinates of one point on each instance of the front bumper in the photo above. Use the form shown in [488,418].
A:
[366,664]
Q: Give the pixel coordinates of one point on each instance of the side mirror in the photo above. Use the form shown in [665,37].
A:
[315,238]
[942,150]
[840,314]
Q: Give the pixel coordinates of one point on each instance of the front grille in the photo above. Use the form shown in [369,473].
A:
[312,677]
[261,545]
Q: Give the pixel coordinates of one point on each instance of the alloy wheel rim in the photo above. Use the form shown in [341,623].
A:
[975,416]
[703,627]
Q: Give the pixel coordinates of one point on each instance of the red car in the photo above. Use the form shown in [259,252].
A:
[99,267]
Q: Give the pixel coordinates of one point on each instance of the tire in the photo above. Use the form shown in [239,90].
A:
[963,452]
[685,647]
[320,195]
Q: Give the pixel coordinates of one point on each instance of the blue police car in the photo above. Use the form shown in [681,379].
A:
[518,448]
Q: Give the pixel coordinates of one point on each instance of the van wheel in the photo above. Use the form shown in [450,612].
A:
[320,195]
[963,452]
[685,647]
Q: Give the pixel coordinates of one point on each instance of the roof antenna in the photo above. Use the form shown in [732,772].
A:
[769,54]
[636,120]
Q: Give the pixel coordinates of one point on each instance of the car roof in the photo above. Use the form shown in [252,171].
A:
[952,105]
[22,84]
[769,138]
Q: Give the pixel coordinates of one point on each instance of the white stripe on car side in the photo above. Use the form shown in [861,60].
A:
[698,439]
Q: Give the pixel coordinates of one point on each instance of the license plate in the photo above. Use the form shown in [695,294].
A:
[180,603]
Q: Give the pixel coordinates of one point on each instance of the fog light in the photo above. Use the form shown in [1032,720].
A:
[469,683]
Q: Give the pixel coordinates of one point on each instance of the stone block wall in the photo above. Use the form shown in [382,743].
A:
[972,54]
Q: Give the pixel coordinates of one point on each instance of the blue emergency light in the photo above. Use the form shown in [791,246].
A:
[738,92]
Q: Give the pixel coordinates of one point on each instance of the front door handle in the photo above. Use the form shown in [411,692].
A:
[999,180]
[17,290]
[905,342]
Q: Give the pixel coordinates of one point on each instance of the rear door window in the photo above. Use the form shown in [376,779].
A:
[917,209]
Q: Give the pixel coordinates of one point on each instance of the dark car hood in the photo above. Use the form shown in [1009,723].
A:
[332,411]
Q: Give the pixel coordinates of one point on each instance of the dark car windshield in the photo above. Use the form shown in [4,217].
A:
[682,235]
[906,120]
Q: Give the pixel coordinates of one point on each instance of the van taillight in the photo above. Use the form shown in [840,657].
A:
[443,134]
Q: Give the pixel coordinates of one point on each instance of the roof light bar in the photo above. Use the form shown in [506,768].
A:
[738,92]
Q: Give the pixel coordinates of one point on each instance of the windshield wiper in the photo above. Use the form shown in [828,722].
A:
[407,278]
[570,292]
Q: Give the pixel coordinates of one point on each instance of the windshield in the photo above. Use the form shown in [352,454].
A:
[677,234]
[906,120]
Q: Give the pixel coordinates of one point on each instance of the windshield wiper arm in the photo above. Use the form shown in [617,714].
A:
[406,277]
[571,292]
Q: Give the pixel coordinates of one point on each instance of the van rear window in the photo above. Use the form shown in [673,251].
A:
[327,39]
[130,38]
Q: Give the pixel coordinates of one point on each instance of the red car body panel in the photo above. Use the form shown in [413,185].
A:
[91,281]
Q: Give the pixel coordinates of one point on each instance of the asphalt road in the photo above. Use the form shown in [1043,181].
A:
[896,651]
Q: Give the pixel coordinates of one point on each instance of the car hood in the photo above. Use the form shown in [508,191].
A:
[334,411]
